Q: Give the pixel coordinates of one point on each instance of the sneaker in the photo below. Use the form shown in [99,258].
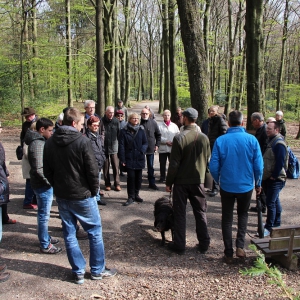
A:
[128,202]
[240,253]
[228,260]
[50,250]
[213,193]
[4,276]
[107,273]
[78,278]
[30,206]
[54,241]
[153,187]
[266,232]
[101,202]
[174,248]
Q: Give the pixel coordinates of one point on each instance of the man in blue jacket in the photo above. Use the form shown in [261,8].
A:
[237,165]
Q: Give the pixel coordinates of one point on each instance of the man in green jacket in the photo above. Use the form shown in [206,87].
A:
[190,155]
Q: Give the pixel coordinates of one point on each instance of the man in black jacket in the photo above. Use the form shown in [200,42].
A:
[112,129]
[153,136]
[71,168]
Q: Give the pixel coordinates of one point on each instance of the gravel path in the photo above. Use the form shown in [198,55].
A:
[145,269]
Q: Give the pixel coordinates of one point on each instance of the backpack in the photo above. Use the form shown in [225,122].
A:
[293,165]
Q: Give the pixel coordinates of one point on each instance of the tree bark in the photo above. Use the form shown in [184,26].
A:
[192,38]
[253,28]
[69,52]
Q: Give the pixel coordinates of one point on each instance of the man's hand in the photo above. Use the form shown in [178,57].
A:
[258,190]
[169,144]
[155,148]
[168,189]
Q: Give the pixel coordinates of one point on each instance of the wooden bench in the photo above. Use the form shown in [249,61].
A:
[281,245]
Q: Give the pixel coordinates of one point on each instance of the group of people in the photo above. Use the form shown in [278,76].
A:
[58,153]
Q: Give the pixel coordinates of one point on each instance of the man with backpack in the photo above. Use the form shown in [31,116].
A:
[274,176]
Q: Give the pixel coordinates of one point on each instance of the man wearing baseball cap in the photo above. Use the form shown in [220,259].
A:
[190,155]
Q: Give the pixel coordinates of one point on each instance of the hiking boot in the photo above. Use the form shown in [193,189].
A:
[50,250]
[107,273]
[228,260]
[78,278]
[4,276]
[240,253]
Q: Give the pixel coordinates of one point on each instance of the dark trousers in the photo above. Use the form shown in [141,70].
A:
[196,195]
[150,167]
[134,182]
[5,216]
[243,203]
[163,157]
[113,159]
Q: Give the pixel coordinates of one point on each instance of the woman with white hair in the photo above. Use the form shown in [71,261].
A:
[279,119]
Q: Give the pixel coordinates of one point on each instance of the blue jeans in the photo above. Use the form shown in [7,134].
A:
[150,163]
[272,189]
[87,213]
[29,193]
[44,196]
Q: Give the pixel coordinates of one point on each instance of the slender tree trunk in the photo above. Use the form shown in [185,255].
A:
[283,43]
[192,38]
[253,28]
[166,55]
[172,54]
[69,53]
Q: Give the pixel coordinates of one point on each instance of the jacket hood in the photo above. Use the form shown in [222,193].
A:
[31,136]
[65,135]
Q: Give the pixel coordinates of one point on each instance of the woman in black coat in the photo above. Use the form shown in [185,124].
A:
[92,133]
[132,149]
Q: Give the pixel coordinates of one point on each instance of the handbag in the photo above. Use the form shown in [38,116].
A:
[19,152]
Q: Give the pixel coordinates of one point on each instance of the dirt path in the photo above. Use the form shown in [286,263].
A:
[146,270]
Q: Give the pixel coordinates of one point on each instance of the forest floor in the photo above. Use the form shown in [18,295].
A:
[146,270]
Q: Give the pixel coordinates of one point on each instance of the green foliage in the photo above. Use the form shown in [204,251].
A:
[262,268]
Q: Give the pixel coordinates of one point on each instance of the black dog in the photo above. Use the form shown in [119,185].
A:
[163,215]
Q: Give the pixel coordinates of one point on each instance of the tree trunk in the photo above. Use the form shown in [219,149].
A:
[253,28]
[100,71]
[192,38]
[283,43]
[69,53]
[166,55]
[172,55]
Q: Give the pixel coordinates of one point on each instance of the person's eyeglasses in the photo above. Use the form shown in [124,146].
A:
[95,125]
[144,114]
[134,118]
[91,107]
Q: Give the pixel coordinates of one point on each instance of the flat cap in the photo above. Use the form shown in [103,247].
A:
[191,113]
[28,111]
[119,112]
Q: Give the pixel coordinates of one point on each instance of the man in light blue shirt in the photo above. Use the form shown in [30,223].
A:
[237,165]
